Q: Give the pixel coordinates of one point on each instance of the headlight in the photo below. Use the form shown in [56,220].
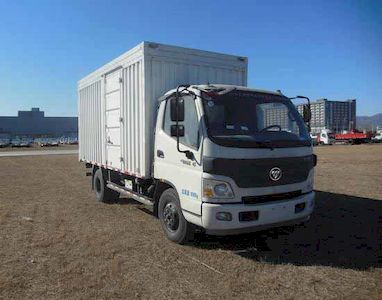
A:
[217,191]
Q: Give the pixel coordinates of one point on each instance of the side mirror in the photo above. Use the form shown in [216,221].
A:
[177,109]
[306,113]
[177,130]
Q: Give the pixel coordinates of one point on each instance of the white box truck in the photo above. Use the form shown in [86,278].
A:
[177,129]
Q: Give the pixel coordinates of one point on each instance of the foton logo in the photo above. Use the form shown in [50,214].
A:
[275,174]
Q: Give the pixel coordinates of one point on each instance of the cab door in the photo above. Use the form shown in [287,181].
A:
[173,166]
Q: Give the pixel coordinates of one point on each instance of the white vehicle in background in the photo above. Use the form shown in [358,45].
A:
[221,157]
[377,138]
[26,142]
[63,140]
[16,142]
[43,142]
[54,142]
[4,143]
[325,137]
[48,142]
[72,141]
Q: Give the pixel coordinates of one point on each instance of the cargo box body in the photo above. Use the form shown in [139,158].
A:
[118,102]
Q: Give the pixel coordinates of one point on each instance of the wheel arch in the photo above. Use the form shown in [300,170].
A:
[161,186]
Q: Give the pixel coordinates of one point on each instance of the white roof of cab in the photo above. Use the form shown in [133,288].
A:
[225,87]
[238,87]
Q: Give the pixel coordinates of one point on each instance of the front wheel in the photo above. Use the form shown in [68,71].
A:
[175,226]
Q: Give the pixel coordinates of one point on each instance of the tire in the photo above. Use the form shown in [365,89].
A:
[103,193]
[174,225]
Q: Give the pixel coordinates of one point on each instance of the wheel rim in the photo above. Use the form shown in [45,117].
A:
[171,217]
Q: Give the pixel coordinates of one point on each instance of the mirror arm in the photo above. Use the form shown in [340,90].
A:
[188,153]
[306,98]
[310,112]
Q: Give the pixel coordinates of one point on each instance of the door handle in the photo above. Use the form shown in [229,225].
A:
[160,154]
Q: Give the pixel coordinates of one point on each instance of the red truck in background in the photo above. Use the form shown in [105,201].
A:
[353,137]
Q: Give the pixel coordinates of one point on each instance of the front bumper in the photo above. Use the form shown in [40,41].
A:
[271,214]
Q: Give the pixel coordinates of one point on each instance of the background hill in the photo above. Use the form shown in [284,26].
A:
[365,122]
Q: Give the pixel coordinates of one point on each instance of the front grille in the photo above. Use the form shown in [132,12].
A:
[251,173]
[270,198]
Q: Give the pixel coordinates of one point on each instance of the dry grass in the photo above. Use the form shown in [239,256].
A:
[351,170]
[57,242]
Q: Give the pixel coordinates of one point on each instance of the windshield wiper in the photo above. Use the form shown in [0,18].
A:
[261,144]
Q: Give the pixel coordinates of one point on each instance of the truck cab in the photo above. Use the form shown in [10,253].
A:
[234,160]
[326,137]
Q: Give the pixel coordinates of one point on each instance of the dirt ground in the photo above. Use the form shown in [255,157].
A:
[57,242]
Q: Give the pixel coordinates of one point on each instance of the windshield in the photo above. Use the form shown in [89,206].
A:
[249,119]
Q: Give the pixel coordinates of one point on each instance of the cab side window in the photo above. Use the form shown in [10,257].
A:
[191,123]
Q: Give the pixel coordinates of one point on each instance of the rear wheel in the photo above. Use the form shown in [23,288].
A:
[175,226]
[103,193]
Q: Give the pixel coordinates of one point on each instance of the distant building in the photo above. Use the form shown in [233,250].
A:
[338,116]
[277,114]
[33,123]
